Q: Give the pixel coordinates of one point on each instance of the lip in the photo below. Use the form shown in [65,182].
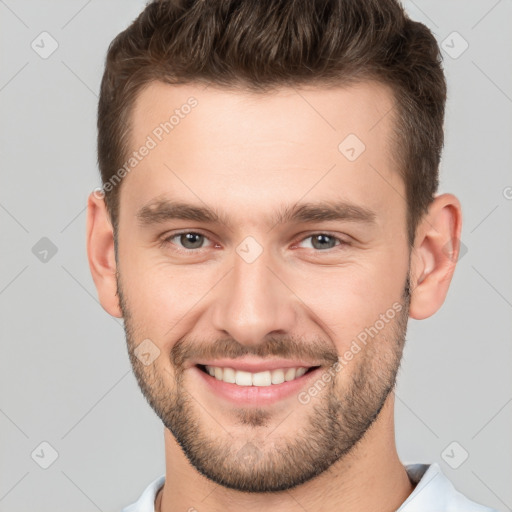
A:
[255,365]
[255,395]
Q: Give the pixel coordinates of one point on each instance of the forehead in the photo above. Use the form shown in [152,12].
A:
[255,148]
[243,116]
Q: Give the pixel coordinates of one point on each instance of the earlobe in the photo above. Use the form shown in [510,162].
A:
[434,256]
[101,254]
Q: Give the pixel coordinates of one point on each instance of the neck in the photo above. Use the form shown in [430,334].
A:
[371,477]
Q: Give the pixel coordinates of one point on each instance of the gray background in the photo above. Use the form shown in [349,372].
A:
[65,375]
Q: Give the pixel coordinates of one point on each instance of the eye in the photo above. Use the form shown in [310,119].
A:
[189,240]
[324,241]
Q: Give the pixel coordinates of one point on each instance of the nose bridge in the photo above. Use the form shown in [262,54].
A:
[253,302]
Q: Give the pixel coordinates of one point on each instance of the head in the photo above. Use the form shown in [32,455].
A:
[231,134]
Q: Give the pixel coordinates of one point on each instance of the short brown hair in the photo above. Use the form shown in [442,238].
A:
[260,45]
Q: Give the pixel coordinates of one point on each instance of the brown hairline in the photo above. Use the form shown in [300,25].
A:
[417,116]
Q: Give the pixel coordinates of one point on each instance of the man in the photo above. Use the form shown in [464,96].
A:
[267,224]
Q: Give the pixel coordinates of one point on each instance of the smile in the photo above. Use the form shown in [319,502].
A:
[254,389]
[264,378]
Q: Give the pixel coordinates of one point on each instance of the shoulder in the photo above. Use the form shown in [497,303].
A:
[434,491]
[146,501]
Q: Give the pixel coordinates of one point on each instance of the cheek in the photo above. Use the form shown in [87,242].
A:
[347,300]
[163,299]
[151,297]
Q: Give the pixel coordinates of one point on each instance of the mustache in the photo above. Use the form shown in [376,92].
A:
[285,347]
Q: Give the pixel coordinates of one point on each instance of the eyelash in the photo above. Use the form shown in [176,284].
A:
[167,241]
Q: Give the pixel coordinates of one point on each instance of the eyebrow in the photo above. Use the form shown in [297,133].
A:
[162,210]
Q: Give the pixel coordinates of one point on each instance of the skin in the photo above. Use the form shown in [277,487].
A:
[247,155]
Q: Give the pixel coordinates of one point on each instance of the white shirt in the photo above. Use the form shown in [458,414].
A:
[433,493]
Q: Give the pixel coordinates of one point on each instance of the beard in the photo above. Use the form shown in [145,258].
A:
[331,424]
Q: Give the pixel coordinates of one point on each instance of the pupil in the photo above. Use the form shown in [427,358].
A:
[188,238]
[322,238]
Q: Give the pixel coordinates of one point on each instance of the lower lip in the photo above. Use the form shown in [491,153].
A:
[256,395]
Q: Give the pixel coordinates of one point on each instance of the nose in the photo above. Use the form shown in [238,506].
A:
[254,301]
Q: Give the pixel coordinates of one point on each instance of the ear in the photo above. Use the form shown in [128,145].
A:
[434,255]
[101,254]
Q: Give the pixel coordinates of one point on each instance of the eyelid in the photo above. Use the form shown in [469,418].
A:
[165,240]
[337,237]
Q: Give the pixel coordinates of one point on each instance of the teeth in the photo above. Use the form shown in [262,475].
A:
[277,376]
[290,374]
[241,378]
[229,375]
[300,372]
[265,378]
[262,379]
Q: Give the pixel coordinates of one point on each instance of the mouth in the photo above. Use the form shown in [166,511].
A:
[261,379]
[261,388]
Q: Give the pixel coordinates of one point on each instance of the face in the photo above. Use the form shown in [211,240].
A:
[255,237]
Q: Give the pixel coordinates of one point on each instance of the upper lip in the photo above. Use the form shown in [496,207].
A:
[255,366]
